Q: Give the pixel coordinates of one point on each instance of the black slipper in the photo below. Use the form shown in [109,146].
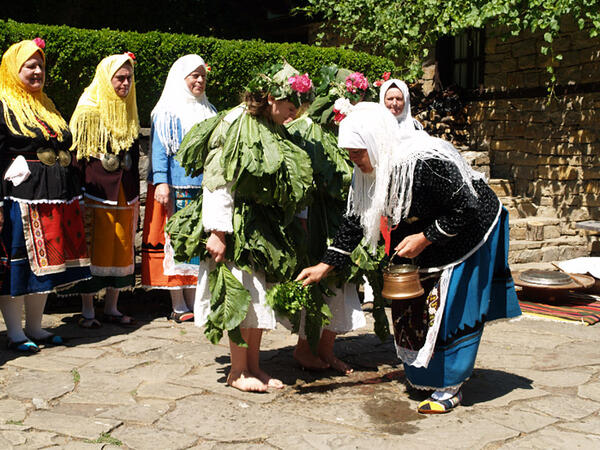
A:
[26,346]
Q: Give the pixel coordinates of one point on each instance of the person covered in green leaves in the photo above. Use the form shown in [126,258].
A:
[255,182]
[337,89]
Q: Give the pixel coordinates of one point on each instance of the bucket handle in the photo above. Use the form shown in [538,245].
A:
[389,264]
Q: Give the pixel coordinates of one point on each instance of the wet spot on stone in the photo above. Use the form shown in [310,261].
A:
[392,413]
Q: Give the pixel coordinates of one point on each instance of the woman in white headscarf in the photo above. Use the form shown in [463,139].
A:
[183,103]
[454,227]
[394,95]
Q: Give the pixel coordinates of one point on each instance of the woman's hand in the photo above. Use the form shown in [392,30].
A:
[162,194]
[314,274]
[215,245]
[412,245]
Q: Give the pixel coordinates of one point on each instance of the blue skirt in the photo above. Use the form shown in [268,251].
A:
[480,289]
[45,247]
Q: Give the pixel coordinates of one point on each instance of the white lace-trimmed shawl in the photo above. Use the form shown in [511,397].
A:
[405,118]
[177,104]
[394,153]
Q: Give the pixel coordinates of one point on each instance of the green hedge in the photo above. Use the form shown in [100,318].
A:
[72,55]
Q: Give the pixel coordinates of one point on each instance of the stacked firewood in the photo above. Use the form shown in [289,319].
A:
[442,113]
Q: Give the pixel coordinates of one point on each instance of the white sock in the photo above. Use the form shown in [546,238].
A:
[34,311]
[12,309]
[178,302]
[190,297]
[87,306]
[110,302]
[445,393]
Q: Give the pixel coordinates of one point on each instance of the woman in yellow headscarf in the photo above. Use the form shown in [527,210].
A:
[43,244]
[105,130]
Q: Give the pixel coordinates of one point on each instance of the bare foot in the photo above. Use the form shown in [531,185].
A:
[245,381]
[309,361]
[337,364]
[267,379]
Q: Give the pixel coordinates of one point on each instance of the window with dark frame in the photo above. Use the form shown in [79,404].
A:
[460,59]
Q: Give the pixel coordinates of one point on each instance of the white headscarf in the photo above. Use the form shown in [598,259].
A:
[178,104]
[394,153]
[405,119]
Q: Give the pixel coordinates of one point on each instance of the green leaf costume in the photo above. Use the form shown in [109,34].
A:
[271,180]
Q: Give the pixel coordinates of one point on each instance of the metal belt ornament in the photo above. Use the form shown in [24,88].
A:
[112,162]
[50,157]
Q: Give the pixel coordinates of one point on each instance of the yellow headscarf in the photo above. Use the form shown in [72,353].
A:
[102,117]
[22,107]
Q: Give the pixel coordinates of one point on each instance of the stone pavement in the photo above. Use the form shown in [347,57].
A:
[161,386]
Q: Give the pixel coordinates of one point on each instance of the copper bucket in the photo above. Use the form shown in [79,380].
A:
[401,282]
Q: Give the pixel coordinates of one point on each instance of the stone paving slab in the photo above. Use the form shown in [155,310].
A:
[12,411]
[166,391]
[591,391]
[81,427]
[536,385]
[556,378]
[566,408]
[32,439]
[588,426]
[554,438]
[51,363]
[149,437]
[519,420]
[144,412]
[34,384]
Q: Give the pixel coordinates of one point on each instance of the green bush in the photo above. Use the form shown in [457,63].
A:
[72,55]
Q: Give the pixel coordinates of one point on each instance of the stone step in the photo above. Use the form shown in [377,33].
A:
[554,242]
[535,228]
[519,207]
[531,265]
[522,252]
[501,186]
[522,222]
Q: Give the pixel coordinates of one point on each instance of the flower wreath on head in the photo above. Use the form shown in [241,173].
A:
[338,90]
[283,82]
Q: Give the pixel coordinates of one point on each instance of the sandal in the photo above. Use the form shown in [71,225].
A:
[120,319]
[92,323]
[28,347]
[182,316]
[431,406]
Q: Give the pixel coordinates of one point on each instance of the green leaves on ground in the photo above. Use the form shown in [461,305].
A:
[291,299]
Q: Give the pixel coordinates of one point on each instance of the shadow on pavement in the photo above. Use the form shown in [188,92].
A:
[489,384]
[143,306]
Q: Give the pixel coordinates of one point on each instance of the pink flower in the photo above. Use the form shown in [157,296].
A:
[208,69]
[131,55]
[378,83]
[39,42]
[356,81]
[300,83]
[386,76]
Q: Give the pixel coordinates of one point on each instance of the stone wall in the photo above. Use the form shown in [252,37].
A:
[545,148]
